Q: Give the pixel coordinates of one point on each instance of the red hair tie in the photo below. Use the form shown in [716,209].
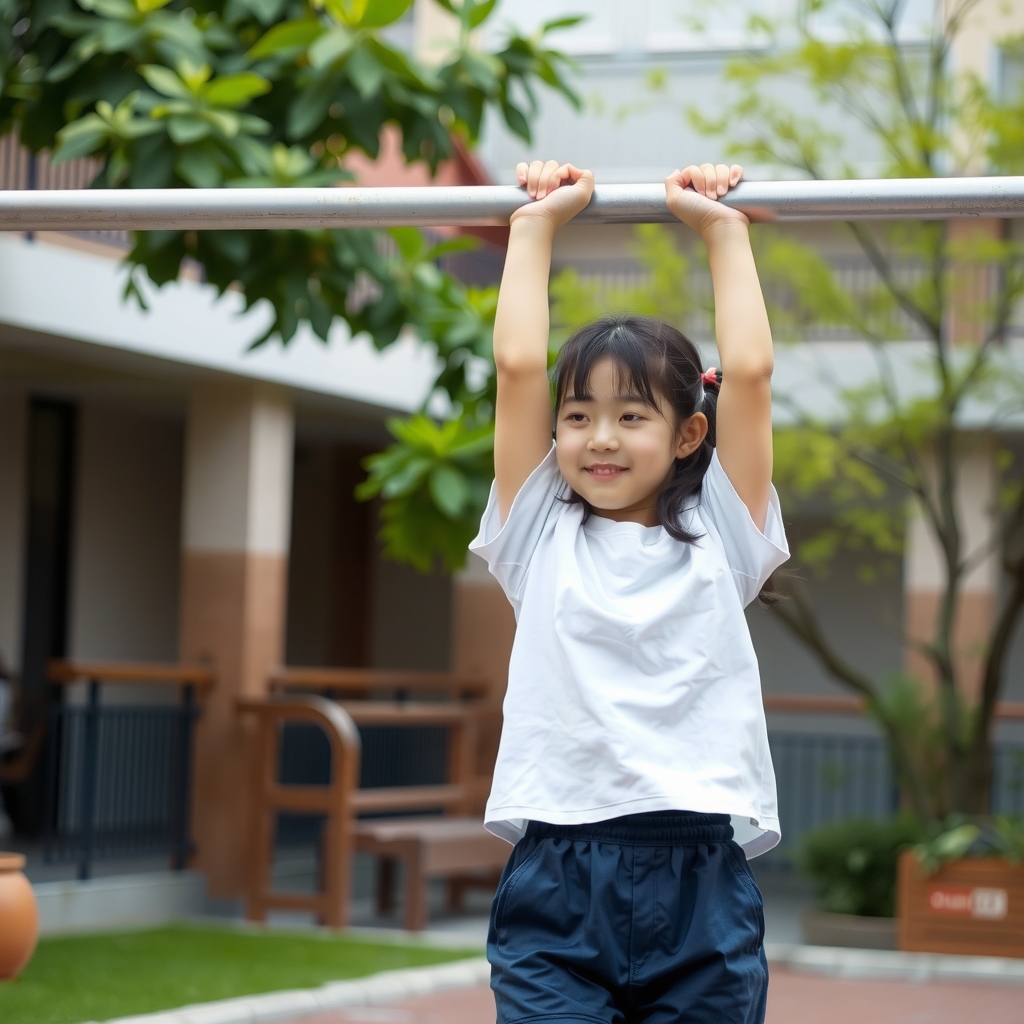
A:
[709,378]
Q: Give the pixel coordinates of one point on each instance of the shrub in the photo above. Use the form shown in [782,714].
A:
[853,862]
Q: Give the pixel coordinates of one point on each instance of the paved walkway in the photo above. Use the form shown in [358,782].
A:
[793,999]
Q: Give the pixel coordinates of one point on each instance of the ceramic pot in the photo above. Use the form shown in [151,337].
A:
[19,915]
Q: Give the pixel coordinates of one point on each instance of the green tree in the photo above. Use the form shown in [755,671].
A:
[896,445]
[237,93]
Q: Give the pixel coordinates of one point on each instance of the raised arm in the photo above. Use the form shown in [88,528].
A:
[522,416]
[744,428]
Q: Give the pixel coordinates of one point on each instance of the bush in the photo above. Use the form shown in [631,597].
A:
[853,862]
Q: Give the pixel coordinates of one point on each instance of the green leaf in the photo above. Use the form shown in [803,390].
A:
[330,46]
[480,12]
[148,6]
[409,241]
[365,71]
[266,11]
[165,81]
[289,35]
[348,12]
[199,166]
[116,36]
[408,478]
[460,243]
[81,138]
[310,106]
[184,130]
[567,22]
[379,13]
[236,90]
[516,120]
[481,445]
[449,489]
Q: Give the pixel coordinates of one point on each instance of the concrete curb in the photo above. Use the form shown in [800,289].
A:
[114,902]
[386,987]
[883,963]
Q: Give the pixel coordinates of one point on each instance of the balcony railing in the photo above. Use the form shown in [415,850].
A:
[118,776]
[825,776]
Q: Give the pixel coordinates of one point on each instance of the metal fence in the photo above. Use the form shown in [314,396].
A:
[118,781]
[823,778]
[612,280]
[21,170]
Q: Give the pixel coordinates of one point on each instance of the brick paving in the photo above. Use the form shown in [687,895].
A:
[793,999]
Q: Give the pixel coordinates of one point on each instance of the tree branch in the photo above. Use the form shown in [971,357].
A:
[998,648]
[884,270]
[796,613]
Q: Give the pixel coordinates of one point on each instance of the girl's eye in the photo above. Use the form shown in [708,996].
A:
[576,417]
[632,417]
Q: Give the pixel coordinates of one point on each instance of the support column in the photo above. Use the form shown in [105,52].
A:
[483,628]
[235,526]
[925,575]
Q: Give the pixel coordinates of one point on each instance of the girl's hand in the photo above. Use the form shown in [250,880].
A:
[558,205]
[693,194]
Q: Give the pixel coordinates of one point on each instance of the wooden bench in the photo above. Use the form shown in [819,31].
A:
[341,801]
[367,683]
[428,848]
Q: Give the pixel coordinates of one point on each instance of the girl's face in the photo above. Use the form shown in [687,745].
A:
[616,451]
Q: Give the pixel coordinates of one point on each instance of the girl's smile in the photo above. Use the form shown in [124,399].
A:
[604,471]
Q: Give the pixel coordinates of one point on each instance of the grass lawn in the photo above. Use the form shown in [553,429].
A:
[96,977]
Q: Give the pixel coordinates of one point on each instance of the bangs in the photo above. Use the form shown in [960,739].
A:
[631,359]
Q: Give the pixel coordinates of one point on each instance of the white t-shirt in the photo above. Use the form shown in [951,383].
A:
[633,684]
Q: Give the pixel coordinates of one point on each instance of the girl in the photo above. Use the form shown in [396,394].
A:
[633,773]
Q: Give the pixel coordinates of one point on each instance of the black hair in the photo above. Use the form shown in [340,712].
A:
[654,360]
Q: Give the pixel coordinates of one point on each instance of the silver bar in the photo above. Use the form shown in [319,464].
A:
[479,205]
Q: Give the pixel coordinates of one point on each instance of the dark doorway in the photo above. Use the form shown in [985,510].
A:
[50,493]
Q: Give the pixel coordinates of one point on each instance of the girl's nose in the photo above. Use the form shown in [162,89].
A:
[603,441]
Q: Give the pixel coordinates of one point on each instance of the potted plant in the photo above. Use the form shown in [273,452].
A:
[853,864]
[962,891]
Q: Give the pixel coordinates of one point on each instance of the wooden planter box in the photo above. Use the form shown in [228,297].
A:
[973,906]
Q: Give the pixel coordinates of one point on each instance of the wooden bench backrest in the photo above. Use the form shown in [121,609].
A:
[340,801]
[361,683]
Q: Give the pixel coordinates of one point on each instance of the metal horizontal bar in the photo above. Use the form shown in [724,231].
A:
[479,205]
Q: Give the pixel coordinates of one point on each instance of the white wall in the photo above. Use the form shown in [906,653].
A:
[73,295]
[126,540]
[13,426]
[864,622]
[629,132]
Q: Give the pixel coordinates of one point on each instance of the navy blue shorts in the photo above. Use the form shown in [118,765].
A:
[650,917]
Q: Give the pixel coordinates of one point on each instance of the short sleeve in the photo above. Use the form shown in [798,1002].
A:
[753,555]
[509,547]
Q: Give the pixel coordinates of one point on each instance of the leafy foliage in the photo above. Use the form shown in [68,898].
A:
[959,837]
[210,93]
[853,862]
[435,482]
[276,93]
